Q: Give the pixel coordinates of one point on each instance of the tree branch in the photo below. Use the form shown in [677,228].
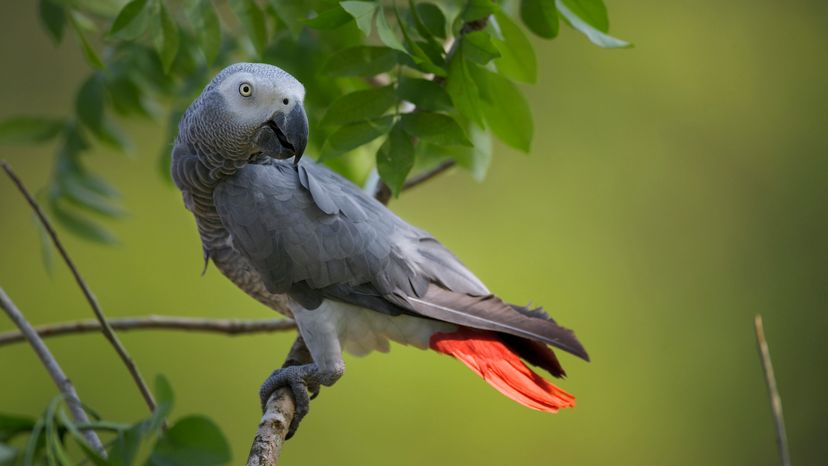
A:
[279,411]
[773,392]
[93,302]
[154,322]
[63,383]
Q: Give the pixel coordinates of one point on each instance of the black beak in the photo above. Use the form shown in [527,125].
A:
[291,130]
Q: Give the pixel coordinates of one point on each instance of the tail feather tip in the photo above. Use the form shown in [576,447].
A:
[485,354]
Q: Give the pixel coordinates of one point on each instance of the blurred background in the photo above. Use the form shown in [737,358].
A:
[673,191]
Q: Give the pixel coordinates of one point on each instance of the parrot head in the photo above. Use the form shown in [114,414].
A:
[248,110]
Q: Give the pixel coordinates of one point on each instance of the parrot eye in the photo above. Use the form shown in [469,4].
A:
[285,101]
[245,89]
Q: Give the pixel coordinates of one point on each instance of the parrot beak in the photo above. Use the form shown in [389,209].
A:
[291,130]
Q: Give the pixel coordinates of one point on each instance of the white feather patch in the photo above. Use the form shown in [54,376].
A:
[362,331]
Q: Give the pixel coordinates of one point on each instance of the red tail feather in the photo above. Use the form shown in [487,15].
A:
[487,356]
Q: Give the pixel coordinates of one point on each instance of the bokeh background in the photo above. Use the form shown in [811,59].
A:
[673,191]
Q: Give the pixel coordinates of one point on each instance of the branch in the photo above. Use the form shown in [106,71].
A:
[279,411]
[383,192]
[154,322]
[53,368]
[93,302]
[773,392]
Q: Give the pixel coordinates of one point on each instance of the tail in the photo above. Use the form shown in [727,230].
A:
[488,356]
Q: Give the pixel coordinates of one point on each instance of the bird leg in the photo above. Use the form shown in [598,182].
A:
[304,376]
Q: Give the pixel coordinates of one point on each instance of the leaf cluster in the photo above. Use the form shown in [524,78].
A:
[391,86]
[55,439]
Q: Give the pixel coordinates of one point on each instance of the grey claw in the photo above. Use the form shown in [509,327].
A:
[295,378]
[314,390]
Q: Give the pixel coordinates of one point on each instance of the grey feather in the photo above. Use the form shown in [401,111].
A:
[490,313]
[308,245]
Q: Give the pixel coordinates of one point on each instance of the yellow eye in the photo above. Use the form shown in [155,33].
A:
[245,89]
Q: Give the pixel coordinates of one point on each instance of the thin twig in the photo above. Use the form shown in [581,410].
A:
[154,322]
[773,392]
[93,302]
[428,174]
[279,410]
[63,383]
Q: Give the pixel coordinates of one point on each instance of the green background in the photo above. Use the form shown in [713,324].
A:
[673,191]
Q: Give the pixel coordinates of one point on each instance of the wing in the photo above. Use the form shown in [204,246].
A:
[306,229]
[314,235]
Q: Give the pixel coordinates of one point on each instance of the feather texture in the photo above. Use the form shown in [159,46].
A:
[485,354]
[490,313]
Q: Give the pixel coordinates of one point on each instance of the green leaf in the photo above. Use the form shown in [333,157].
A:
[595,35]
[90,452]
[292,14]
[395,158]
[433,18]
[35,443]
[593,12]
[478,158]
[422,59]
[434,127]
[363,13]
[72,189]
[164,401]
[28,130]
[517,60]
[353,135]
[89,103]
[360,105]
[80,226]
[386,35]
[208,30]
[11,425]
[541,17]
[127,96]
[462,88]
[361,60]
[424,94]
[53,17]
[477,9]
[127,444]
[132,21]
[191,440]
[479,47]
[168,42]
[89,52]
[430,45]
[329,19]
[506,111]
[54,442]
[252,17]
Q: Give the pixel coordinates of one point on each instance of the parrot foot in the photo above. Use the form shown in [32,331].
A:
[304,382]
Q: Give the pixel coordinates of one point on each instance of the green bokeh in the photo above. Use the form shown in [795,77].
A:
[673,191]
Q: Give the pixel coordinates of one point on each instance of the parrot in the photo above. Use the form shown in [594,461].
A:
[354,276]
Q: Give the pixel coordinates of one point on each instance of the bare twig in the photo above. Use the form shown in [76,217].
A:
[279,411]
[773,392]
[93,302]
[153,322]
[53,368]
[428,174]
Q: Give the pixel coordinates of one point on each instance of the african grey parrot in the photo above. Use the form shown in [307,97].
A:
[310,244]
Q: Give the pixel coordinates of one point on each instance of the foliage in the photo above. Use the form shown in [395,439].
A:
[396,85]
[190,440]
